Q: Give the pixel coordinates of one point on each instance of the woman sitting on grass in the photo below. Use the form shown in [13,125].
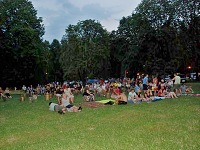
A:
[68,92]
[88,96]
[69,107]
[163,93]
[171,94]
[139,97]
[115,92]
[147,96]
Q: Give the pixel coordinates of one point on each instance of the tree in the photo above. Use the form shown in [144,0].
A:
[21,32]
[85,50]
[168,18]
[126,42]
[56,71]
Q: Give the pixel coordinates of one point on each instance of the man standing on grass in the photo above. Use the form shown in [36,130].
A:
[145,83]
[177,83]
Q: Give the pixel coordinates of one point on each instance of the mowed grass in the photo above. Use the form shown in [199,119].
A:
[170,124]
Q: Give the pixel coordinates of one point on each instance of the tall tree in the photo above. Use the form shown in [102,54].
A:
[21,31]
[168,18]
[127,42]
[56,71]
[85,50]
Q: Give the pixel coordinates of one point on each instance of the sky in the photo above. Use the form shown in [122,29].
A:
[59,14]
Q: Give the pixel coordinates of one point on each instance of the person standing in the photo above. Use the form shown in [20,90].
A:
[177,83]
[145,83]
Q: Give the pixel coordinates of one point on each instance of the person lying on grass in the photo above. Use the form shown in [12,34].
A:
[56,107]
[122,98]
[65,101]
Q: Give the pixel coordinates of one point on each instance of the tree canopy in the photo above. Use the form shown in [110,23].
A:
[159,37]
[85,49]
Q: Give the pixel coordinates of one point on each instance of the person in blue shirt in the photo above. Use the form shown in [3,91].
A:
[145,83]
[136,88]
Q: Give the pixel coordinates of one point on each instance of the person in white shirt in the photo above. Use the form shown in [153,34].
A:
[131,96]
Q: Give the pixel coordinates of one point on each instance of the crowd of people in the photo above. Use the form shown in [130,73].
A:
[122,91]
[125,91]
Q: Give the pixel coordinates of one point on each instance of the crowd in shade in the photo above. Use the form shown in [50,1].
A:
[144,88]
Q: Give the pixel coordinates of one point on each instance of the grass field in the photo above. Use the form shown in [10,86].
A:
[170,124]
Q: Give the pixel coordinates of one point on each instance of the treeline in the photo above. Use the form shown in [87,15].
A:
[159,37]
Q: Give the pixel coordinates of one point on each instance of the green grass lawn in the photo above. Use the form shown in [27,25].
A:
[170,124]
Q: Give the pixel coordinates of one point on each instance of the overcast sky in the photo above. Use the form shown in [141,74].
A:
[58,14]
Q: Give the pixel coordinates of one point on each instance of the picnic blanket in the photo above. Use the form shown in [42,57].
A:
[92,104]
[106,100]
[96,104]
[196,95]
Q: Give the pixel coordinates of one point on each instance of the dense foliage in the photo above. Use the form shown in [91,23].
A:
[85,50]
[159,37]
[21,33]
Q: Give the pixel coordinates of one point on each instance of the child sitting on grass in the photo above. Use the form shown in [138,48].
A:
[186,89]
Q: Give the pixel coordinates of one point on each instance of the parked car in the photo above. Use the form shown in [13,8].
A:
[193,76]
[167,78]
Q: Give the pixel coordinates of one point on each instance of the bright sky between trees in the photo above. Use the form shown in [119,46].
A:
[58,14]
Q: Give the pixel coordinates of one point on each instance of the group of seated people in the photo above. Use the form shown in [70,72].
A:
[5,94]
[136,94]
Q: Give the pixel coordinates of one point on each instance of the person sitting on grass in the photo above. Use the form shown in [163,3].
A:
[139,97]
[59,91]
[131,96]
[185,90]
[165,94]
[2,94]
[171,94]
[122,98]
[88,96]
[161,91]
[1,91]
[115,92]
[189,90]
[65,101]
[147,96]
[7,93]
[68,92]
